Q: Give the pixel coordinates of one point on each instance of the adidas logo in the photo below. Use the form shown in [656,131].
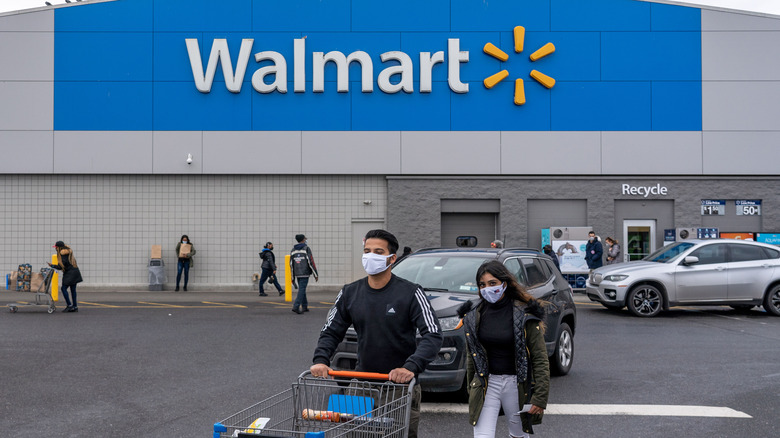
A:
[391,311]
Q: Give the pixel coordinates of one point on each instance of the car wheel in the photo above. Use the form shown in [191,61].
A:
[645,300]
[564,352]
[772,301]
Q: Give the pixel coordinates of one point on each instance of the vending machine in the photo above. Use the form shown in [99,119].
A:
[568,243]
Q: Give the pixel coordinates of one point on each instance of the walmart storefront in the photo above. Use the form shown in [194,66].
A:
[126,123]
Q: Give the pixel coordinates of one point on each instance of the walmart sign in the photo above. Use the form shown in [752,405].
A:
[437,65]
[220,53]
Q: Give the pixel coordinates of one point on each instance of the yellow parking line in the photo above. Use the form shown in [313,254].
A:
[162,305]
[99,304]
[225,304]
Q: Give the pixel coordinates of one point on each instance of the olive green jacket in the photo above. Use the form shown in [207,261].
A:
[533,389]
[192,253]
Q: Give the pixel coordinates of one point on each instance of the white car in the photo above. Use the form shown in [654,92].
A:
[737,273]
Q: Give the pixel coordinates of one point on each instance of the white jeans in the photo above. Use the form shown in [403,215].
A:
[501,391]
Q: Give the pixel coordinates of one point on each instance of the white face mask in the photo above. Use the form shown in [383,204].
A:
[492,294]
[374,263]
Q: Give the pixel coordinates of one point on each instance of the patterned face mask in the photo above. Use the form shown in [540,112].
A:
[492,294]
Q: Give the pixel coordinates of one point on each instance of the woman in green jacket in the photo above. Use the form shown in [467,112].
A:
[507,364]
[185,262]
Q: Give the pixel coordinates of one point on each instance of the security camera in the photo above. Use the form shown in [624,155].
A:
[189,158]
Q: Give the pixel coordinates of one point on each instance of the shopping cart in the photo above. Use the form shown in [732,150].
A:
[42,294]
[352,404]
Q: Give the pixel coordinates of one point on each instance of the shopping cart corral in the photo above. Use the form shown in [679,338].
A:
[42,294]
[352,404]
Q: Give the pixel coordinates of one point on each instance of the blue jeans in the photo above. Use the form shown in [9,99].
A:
[300,300]
[267,273]
[64,290]
[183,266]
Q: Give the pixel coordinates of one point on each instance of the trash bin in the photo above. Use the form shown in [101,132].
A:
[156,274]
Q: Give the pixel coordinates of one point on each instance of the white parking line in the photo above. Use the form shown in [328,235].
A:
[582,409]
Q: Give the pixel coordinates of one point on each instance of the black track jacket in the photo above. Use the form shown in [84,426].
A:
[386,321]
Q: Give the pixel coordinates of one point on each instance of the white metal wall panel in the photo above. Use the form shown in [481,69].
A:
[550,153]
[652,153]
[247,152]
[171,149]
[741,153]
[442,153]
[26,152]
[355,152]
[102,152]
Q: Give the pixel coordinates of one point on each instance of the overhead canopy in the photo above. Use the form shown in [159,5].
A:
[766,8]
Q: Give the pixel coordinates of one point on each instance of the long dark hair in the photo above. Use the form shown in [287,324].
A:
[183,236]
[514,289]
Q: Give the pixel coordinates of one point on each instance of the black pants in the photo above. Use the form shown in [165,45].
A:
[267,273]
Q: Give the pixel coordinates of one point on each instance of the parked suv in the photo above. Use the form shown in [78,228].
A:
[736,273]
[448,277]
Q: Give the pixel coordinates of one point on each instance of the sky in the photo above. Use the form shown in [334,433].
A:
[763,7]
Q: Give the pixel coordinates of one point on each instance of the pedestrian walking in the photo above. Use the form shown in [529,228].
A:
[185,260]
[387,313]
[593,251]
[547,249]
[507,366]
[71,274]
[613,251]
[268,268]
[302,265]
[407,251]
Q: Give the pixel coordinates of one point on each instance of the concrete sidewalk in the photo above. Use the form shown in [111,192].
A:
[125,296]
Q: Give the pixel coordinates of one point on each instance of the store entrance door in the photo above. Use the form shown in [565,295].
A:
[638,239]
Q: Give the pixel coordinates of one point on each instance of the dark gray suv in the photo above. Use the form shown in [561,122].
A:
[447,275]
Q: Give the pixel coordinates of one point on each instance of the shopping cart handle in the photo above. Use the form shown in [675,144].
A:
[359,375]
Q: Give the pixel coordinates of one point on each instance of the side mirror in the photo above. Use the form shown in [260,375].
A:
[690,260]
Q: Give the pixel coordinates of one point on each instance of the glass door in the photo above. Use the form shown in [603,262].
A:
[638,239]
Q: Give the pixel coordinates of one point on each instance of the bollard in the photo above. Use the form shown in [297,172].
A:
[55,281]
[287,279]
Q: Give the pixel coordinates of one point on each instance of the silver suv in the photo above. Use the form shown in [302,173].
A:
[736,273]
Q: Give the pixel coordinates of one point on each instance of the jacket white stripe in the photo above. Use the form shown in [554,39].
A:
[430,321]
[332,312]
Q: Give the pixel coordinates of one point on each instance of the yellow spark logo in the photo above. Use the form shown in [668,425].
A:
[493,80]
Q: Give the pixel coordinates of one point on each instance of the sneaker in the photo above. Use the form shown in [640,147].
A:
[306,309]
[299,312]
[177,289]
[263,294]
[67,309]
[185,288]
[281,292]
[73,309]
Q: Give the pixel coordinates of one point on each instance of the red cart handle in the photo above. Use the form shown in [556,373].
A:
[359,375]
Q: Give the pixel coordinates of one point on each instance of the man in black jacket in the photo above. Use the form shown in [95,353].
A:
[302,266]
[593,252]
[269,269]
[387,312]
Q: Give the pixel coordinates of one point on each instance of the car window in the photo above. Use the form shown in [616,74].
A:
[745,253]
[436,271]
[771,253]
[711,254]
[513,265]
[668,254]
[546,268]
[534,270]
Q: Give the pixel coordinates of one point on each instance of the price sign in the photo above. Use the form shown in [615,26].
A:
[748,207]
[713,207]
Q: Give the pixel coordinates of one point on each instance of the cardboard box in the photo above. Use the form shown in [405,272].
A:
[185,248]
[156,252]
[12,281]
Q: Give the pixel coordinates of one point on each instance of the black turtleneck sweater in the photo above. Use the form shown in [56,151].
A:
[497,336]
